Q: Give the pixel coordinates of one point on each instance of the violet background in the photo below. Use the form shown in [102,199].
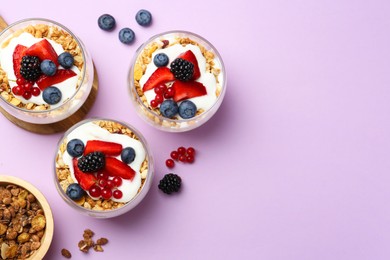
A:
[294,165]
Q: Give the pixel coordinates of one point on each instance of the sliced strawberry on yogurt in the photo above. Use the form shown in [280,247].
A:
[161,75]
[17,59]
[115,167]
[61,75]
[185,90]
[43,50]
[108,148]
[85,180]
[190,56]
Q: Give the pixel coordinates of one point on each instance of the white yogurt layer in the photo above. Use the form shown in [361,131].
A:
[68,87]
[91,131]
[206,78]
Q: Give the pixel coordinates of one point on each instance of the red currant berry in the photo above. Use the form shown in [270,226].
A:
[181,150]
[117,194]
[191,151]
[27,94]
[28,85]
[153,103]
[174,155]
[190,158]
[117,181]
[110,184]
[106,193]
[163,88]
[170,163]
[20,81]
[35,92]
[169,93]
[102,176]
[182,158]
[95,191]
[17,90]
[159,98]
[102,183]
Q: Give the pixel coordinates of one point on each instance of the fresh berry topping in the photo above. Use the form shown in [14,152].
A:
[169,108]
[106,22]
[160,76]
[43,50]
[92,162]
[115,167]
[48,67]
[191,151]
[74,191]
[159,98]
[61,75]
[75,147]
[169,93]
[17,90]
[126,35]
[170,163]
[95,191]
[17,60]
[128,155]
[170,183]
[106,193]
[27,94]
[20,81]
[160,89]
[187,109]
[161,60]
[181,150]
[182,70]
[28,85]
[66,60]
[101,175]
[84,179]
[190,56]
[102,183]
[35,92]
[154,103]
[143,17]
[30,68]
[174,155]
[186,90]
[52,95]
[108,148]
[117,181]
[117,194]
[110,184]
[182,158]
[190,158]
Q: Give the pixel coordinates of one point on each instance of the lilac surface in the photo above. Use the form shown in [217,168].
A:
[294,165]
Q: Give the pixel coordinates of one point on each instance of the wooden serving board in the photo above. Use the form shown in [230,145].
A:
[61,125]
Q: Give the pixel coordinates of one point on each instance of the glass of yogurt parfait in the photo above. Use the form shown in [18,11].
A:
[177,81]
[103,168]
[46,73]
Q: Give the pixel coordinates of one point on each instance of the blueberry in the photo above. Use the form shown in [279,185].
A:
[48,67]
[52,95]
[161,60]
[106,22]
[66,60]
[75,147]
[126,35]
[187,109]
[169,108]
[128,155]
[74,191]
[143,17]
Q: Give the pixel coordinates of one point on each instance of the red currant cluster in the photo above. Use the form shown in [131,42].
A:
[25,89]
[162,92]
[105,187]
[181,154]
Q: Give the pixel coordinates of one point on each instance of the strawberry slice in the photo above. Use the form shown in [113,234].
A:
[17,59]
[114,167]
[108,148]
[160,76]
[190,56]
[61,75]
[84,179]
[43,50]
[186,90]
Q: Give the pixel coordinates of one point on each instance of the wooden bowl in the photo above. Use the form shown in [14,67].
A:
[49,229]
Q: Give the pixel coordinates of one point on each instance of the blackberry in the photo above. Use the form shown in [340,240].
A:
[182,70]
[30,68]
[170,183]
[92,162]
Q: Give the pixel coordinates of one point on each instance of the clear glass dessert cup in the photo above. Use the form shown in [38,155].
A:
[107,213]
[69,106]
[154,117]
